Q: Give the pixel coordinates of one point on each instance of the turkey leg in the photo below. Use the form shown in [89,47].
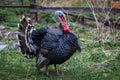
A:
[47,72]
[56,69]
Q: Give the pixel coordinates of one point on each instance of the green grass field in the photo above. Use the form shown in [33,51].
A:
[99,60]
[100,56]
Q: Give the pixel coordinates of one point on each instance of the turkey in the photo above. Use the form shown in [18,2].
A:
[49,45]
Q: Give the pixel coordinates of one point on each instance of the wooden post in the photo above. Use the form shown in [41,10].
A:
[22,2]
[33,15]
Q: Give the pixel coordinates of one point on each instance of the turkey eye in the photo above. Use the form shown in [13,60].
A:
[60,14]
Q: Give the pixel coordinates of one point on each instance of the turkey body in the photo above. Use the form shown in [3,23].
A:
[60,45]
[49,45]
[63,50]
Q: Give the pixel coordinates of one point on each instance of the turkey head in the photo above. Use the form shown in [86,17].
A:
[62,19]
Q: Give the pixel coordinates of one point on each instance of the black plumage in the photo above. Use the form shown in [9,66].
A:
[38,35]
[62,49]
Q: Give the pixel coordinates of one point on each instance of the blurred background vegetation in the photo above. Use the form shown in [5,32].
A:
[11,15]
[100,56]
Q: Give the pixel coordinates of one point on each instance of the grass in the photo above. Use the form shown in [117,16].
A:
[81,66]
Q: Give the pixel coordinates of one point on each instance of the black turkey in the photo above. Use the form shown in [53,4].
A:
[47,44]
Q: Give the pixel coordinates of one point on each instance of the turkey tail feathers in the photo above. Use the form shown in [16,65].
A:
[23,47]
[24,21]
[24,38]
[22,25]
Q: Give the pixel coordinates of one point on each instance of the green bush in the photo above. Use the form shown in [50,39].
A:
[46,17]
[118,56]
[19,11]
[3,15]
[10,14]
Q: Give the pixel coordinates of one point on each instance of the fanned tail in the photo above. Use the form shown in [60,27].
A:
[23,24]
[27,47]
[24,37]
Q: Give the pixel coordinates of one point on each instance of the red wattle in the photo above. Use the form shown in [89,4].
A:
[66,28]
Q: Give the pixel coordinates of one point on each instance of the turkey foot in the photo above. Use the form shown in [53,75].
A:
[47,72]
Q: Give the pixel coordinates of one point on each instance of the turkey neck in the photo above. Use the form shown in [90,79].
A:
[64,27]
[63,24]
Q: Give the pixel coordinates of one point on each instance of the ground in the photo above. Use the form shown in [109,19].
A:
[99,60]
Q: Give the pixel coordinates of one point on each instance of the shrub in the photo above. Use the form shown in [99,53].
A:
[118,56]
[9,14]
[46,17]
[3,15]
